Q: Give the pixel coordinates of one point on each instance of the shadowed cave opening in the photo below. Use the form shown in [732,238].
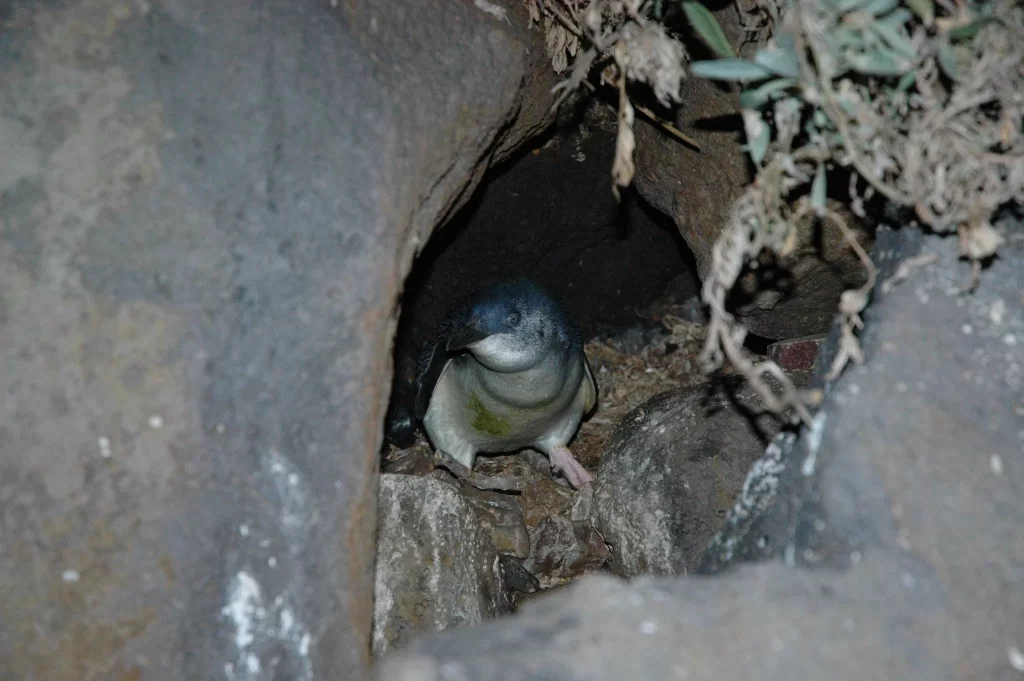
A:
[623,270]
[548,213]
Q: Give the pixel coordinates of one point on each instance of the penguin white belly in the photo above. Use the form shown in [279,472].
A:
[463,419]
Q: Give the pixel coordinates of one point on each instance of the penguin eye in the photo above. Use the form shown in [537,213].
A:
[513,319]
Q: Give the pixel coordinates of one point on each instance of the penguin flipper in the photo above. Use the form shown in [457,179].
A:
[591,398]
[432,365]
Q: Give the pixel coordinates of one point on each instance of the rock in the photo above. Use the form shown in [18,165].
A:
[436,565]
[763,622]
[668,475]
[886,535]
[502,517]
[207,213]
[543,497]
[797,357]
[562,549]
[417,460]
[767,481]
[517,576]
[798,354]
[918,452]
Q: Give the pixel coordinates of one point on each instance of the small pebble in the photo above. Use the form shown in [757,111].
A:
[967,329]
[272,561]
[243,530]
[996,463]
[648,627]
[70,576]
[104,443]
[1010,339]
[156,422]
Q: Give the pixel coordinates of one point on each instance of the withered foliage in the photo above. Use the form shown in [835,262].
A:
[923,99]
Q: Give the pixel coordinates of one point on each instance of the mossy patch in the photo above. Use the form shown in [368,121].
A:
[486,421]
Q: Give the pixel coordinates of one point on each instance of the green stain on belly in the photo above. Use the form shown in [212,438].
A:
[486,421]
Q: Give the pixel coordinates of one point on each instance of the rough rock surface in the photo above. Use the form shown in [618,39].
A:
[206,212]
[436,566]
[890,528]
[696,188]
[501,515]
[563,549]
[671,472]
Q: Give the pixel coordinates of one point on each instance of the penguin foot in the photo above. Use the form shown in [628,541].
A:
[562,461]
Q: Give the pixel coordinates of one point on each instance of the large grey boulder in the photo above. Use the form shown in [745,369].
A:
[888,533]
[436,565]
[206,213]
[670,472]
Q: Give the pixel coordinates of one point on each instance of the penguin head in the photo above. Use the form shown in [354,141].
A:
[513,325]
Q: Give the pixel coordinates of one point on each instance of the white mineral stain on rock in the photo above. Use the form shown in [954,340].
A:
[1016,658]
[242,607]
[814,435]
[255,623]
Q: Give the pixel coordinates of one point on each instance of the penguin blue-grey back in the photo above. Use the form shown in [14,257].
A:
[506,370]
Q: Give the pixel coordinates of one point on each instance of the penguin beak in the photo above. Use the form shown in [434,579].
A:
[469,334]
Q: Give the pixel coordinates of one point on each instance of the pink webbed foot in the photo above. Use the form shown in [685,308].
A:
[562,461]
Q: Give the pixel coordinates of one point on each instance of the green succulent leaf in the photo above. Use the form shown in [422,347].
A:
[779,62]
[878,63]
[878,7]
[707,28]
[844,37]
[758,136]
[729,69]
[906,80]
[924,9]
[896,18]
[845,6]
[947,60]
[968,31]
[818,190]
[894,39]
[756,98]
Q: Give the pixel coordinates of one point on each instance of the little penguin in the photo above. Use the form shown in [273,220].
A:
[505,371]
